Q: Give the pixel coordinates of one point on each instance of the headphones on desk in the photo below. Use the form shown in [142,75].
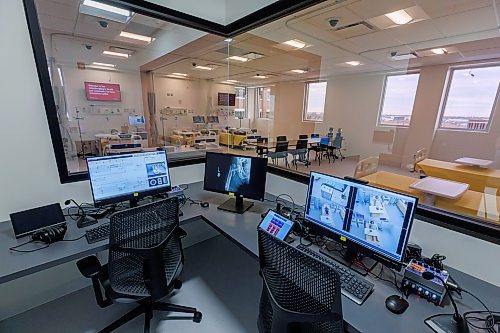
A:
[51,234]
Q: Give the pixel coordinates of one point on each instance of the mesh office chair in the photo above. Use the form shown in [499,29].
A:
[145,261]
[299,294]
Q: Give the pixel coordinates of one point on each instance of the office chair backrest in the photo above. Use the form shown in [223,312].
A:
[337,141]
[303,136]
[301,144]
[145,252]
[281,138]
[281,146]
[314,135]
[299,293]
[366,167]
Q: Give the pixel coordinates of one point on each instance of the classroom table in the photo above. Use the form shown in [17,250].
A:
[478,178]
[437,187]
[474,162]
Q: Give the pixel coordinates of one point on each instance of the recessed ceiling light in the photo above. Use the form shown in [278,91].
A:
[298,71]
[238,58]
[142,38]
[399,17]
[253,55]
[404,56]
[180,74]
[103,64]
[439,50]
[206,67]
[353,63]
[107,8]
[258,76]
[232,81]
[295,43]
[116,54]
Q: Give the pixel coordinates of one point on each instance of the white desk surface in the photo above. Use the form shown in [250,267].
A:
[474,162]
[440,187]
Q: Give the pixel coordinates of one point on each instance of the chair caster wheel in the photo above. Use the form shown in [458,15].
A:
[177,284]
[197,317]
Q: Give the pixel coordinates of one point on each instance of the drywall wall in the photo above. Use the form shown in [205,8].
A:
[462,251]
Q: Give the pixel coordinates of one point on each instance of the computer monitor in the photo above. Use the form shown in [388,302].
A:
[371,220]
[240,176]
[136,120]
[128,177]
[213,119]
[198,119]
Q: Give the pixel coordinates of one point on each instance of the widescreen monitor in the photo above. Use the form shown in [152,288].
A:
[128,177]
[374,221]
[213,119]
[239,176]
[136,120]
[198,119]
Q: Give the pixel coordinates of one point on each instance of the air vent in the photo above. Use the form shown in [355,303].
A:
[355,29]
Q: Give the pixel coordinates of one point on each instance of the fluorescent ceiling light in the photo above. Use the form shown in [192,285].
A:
[180,74]
[439,50]
[142,38]
[116,54]
[298,71]
[399,17]
[258,76]
[353,63]
[107,8]
[238,58]
[233,81]
[205,68]
[298,44]
[103,64]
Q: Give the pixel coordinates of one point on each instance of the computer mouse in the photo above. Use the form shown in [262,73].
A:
[396,304]
[204,204]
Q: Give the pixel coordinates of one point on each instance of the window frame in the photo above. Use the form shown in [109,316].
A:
[306,99]
[257,112]
[382,99]
[444,100]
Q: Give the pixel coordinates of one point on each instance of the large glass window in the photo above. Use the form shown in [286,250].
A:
[314,106]
[265,103]
[240,110]
[398,99]
[471,97]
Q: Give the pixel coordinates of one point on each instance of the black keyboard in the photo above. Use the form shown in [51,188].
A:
[97,234]
[354,286]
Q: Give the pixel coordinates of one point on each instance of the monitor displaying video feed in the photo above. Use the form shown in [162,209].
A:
[377,220]
[128,177]
[241,176]
[136,120]
[198,119]
[213,119]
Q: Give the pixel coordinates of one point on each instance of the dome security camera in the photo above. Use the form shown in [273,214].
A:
[103,24]
[88,47]
[194,64]
[332,22]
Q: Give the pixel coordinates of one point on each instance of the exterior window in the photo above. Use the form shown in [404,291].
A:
[314,106]
[470,98]
[398,99]
[265,103]
[240,110]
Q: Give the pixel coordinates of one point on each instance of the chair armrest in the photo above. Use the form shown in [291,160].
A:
[89,266]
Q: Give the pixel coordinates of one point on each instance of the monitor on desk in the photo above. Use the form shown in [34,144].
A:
[213,119]
[198,119]
[128,177]
[136,120]
[371,220]
[239,176]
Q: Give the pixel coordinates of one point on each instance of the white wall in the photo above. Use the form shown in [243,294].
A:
[465,253]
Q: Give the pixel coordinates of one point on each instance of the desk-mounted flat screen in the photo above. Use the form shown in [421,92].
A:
[107,92]
[276,225]
[198,119]
[128,176]
[377,220]
[225,99]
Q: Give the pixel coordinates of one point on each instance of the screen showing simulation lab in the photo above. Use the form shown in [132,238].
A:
[122,175]
[276,225]
[377,219]
[136,120]
[198,119]
[241,175]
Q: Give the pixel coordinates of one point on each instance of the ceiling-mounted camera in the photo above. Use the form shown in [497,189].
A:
[88,46]
[333,22]
[103,24]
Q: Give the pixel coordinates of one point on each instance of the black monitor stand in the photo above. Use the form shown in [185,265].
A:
[347,258]
[236,205]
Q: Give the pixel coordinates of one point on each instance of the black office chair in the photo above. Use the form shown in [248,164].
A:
[145,261]
[261,150]
[280,151]
[281,138]
[299,154]
[303,136]
[299,293]
[314,135]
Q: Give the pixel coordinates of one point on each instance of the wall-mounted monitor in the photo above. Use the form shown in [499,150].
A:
[136,120]
[198,119]
[108,92]
[226,99]
[213,119]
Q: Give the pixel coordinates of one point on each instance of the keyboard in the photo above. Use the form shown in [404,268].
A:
[353,285]
[97,234]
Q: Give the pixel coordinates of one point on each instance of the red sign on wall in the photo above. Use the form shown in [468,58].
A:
[103,92]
